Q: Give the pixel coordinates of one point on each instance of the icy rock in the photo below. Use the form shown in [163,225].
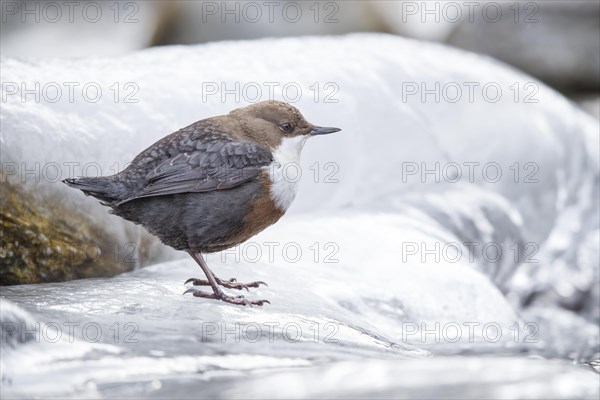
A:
[165,348]
[361,211]
[150,331]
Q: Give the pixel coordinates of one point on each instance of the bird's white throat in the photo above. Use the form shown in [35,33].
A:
[285,172]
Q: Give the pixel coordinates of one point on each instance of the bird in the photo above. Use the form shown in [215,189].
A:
[212,185]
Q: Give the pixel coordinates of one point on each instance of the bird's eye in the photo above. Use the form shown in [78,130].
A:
[286,127]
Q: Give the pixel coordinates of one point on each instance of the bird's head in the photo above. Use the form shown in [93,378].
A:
[272,122]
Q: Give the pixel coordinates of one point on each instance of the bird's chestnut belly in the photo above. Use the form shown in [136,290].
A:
[261,213]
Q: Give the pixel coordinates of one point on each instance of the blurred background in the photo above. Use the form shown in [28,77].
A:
[555,41]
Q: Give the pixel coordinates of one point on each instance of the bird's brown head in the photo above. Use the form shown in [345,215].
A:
[269,122]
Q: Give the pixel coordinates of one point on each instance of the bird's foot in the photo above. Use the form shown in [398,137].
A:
[230,284]
[219,295]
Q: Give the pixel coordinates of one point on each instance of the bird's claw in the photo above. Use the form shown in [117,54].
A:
[229,284]
[188,281]
[238,300]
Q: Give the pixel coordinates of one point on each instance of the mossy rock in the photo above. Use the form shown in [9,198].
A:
[41,240]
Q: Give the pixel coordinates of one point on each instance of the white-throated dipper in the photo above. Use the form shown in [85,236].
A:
[212,185]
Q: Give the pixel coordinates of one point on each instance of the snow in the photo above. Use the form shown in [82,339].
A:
[363,223]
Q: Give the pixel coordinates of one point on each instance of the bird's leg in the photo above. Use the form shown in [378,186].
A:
[214,283]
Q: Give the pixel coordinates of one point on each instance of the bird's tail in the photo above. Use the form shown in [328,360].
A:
[101,188]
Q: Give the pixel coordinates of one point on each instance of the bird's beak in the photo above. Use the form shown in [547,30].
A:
[323,130]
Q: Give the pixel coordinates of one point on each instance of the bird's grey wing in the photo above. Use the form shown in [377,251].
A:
[221,165]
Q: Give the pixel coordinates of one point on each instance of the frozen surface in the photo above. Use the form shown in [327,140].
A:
[366,293]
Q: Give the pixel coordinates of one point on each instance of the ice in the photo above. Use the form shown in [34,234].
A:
[365,289]
[465,378]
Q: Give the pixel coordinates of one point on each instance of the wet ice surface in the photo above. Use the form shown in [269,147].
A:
[170,345]
[356,315]
[348,338]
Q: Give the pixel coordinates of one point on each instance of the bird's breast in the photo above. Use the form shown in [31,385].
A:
[285,171]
